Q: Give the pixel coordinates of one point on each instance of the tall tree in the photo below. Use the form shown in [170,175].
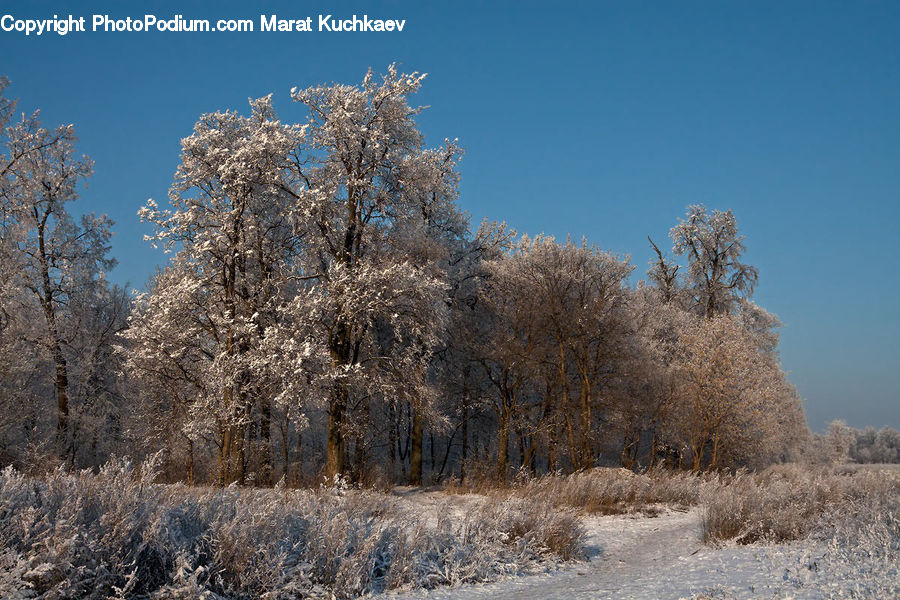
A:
[558,308]
[372,189]
[57,259]
[236,233]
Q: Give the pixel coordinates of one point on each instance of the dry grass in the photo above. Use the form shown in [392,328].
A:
[116,534]
[789,502]
[781,503]
[602,490]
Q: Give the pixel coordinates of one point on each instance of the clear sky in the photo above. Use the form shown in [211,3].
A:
[599,119]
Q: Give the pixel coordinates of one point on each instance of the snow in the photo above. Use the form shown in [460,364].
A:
[641,557]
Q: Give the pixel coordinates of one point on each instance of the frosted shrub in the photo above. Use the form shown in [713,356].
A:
[611,491]
[852,551]
[862,559]
[116,534]
[789,502]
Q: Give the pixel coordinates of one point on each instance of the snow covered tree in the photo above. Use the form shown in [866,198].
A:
[841,441]
[557,309]
[323,285]
[663,274]
[461,378]
[715,276]
[374,196]
[310,269]
[56,259]
[95,318]
[657,322]
[882,446]
[236,233]
[735,397]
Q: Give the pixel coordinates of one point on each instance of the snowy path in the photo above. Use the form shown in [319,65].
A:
[639,557]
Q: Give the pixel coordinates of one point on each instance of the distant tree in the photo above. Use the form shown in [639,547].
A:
[863,445]
[841,441]
[886,448]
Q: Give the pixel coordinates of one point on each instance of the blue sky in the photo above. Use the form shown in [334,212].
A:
[599,119]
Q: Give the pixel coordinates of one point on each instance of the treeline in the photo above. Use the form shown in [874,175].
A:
[327,310]
[842,443]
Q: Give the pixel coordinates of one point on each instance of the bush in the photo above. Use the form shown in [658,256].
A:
[789,502]
[117,534]
[604,490]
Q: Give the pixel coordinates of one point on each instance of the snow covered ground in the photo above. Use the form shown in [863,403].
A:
[662,557]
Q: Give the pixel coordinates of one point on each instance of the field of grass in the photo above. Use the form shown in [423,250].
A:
[117,534]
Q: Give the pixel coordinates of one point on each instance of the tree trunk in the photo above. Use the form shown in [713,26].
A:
[62,377]
[715,454]
[464,454]
[190,461]
[698,456]
[334,459]
[447,450]
[431,452]
[284,429]
[341,355]
[587,459]
[549,418]
[625,445]
[225,456]
[502,446]
[393,436]
[62,399]
[573,449]
[359,459]
[415,458]
[299,457]
[239,440]
[266,468]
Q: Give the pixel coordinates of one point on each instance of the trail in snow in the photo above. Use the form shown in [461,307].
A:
[640,557]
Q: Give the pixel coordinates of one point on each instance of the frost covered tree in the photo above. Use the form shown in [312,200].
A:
[657,323]
[882,446]
[309,270]
[725,397]
[841,441]
[715,275]
[663,275]
[236,233]
[558,310]
[735,398]
[376,198]
[507,343]
[57,261]
[325,289]
[461,379]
